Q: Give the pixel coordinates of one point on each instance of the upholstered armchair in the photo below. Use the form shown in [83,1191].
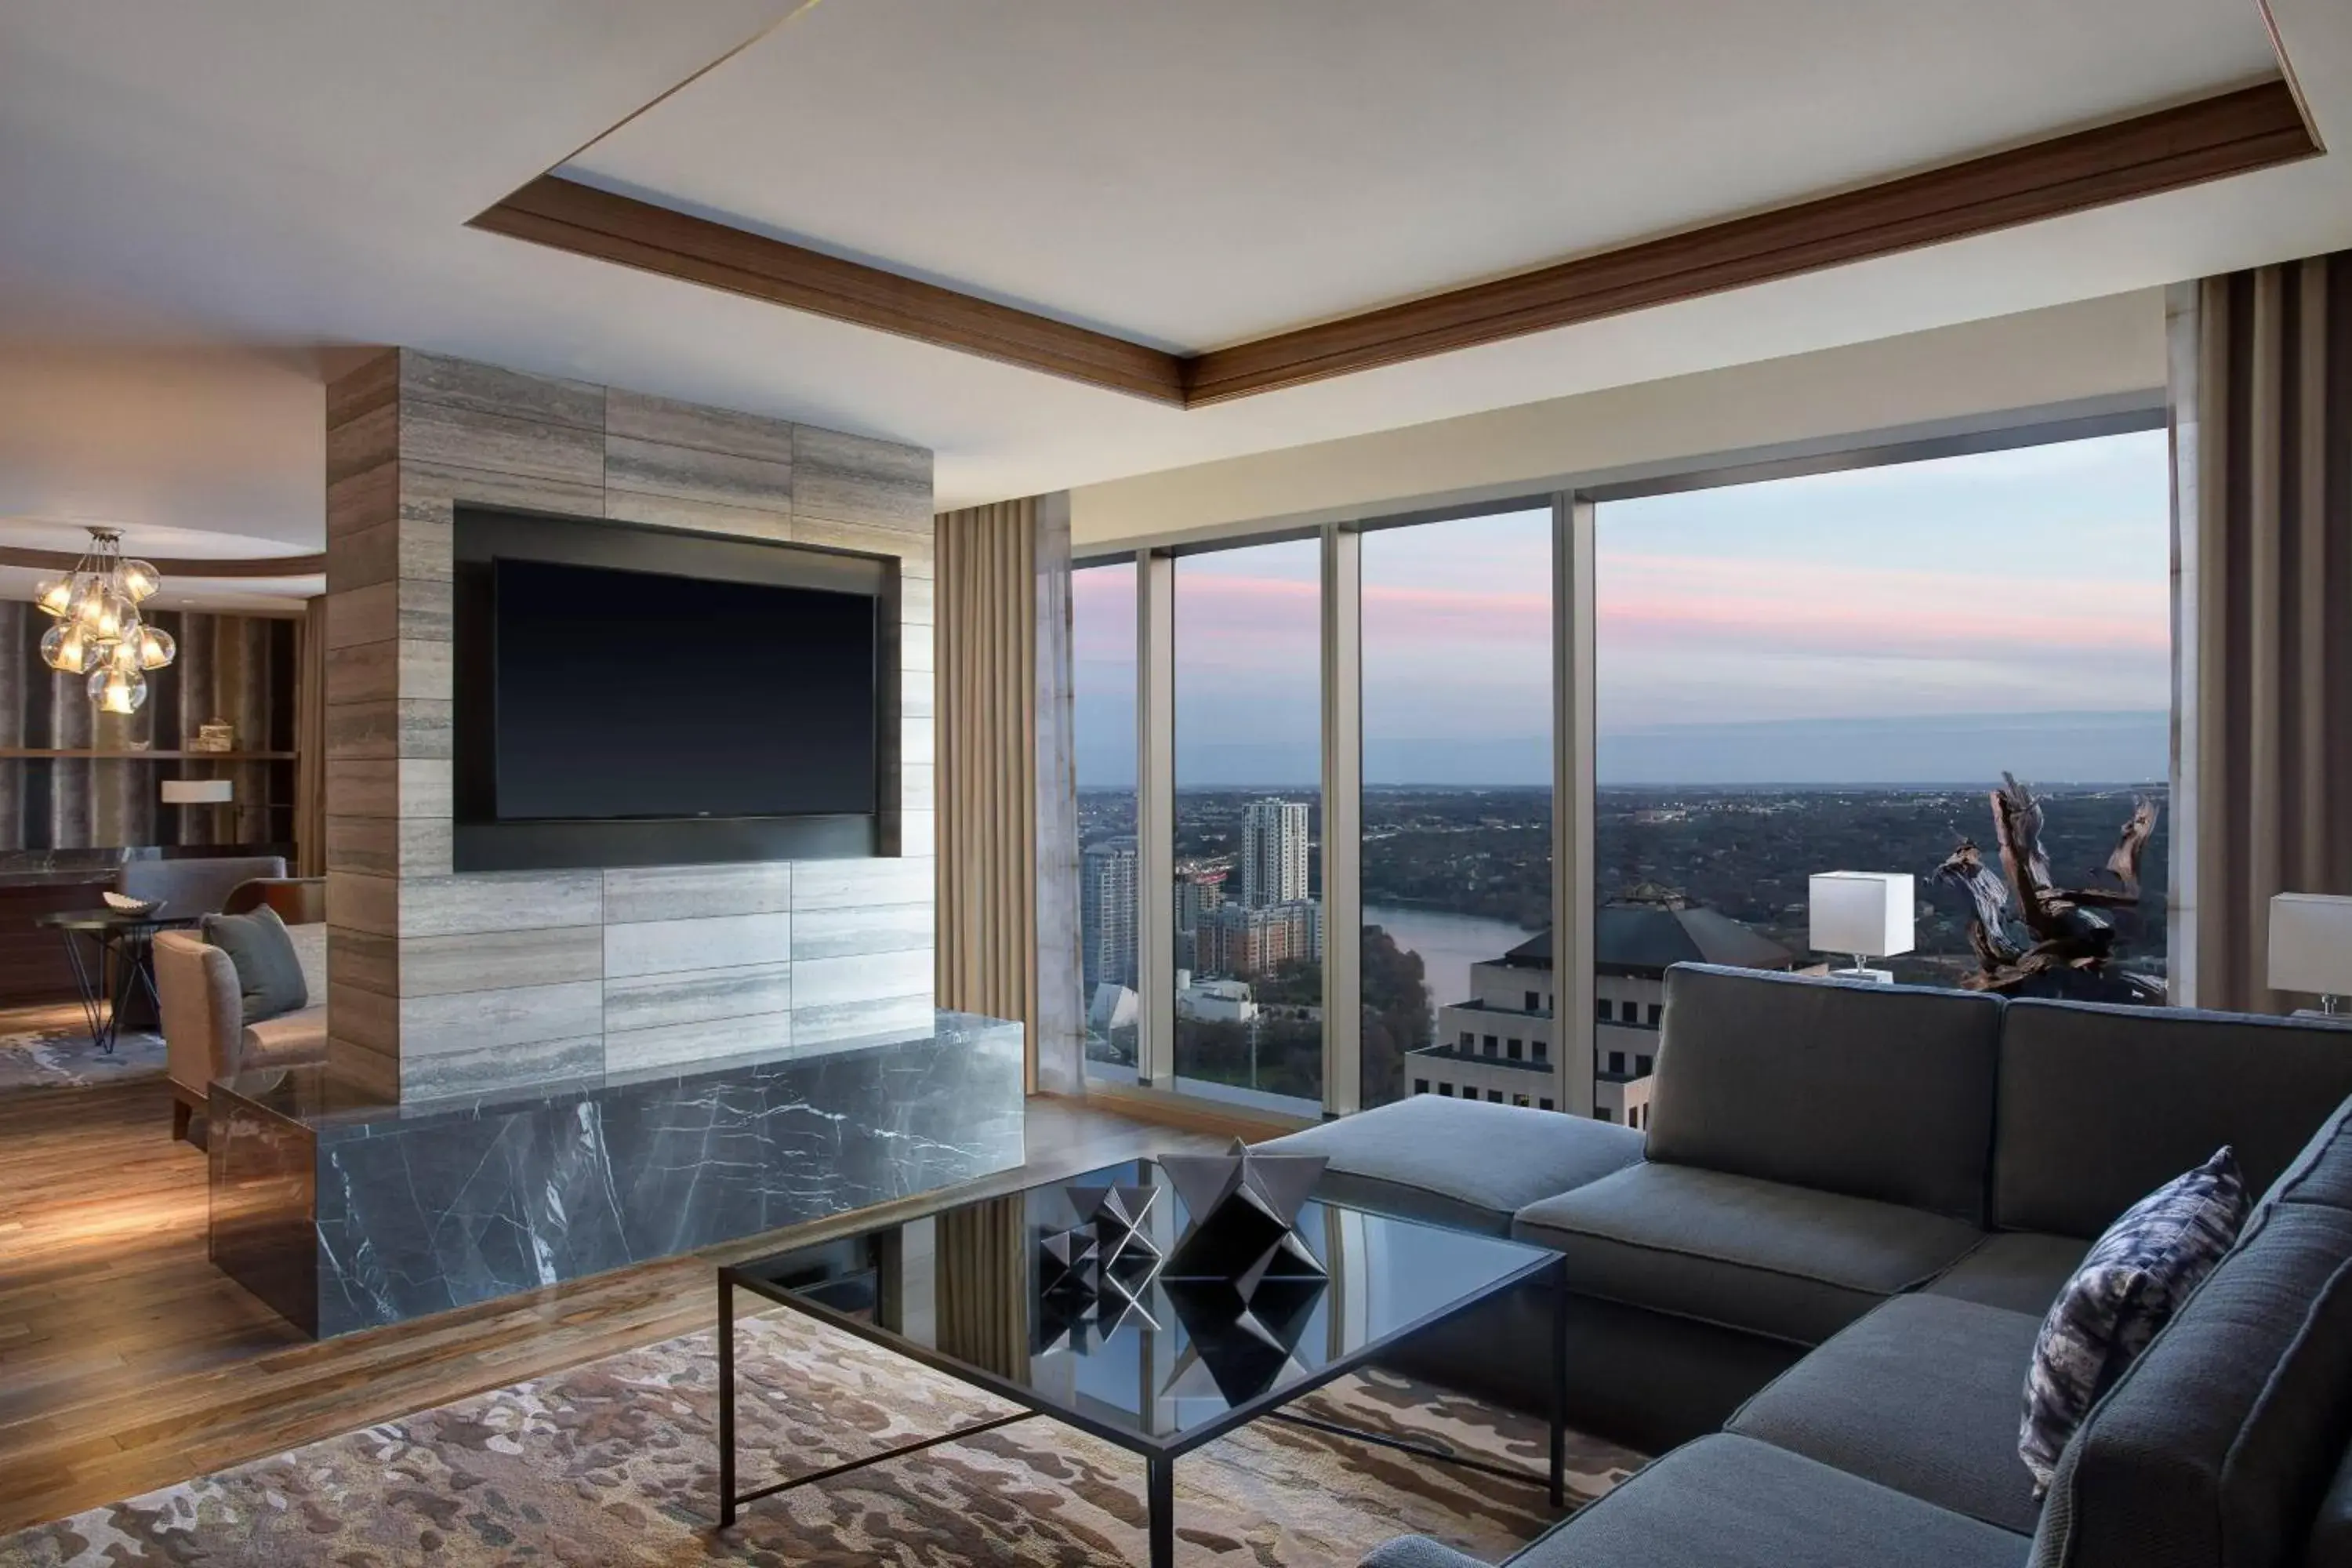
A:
[205,1036]
[195,885]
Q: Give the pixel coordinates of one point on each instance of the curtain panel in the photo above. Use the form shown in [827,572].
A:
[2262,429]
[1007,830]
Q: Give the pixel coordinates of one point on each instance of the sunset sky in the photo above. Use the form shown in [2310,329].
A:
[1922,600]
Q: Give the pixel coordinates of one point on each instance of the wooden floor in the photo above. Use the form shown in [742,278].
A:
[127,1362]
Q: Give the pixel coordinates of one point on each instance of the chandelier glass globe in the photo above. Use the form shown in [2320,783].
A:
[99,632]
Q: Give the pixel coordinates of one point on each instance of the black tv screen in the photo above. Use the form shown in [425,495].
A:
[638,694]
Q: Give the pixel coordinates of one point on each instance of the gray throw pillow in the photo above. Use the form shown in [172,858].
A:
[2131,1282]
[268,970]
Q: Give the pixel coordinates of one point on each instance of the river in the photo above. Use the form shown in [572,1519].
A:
[1448,945]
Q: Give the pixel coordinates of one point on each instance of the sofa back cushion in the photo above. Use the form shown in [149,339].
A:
[2099,1104]
[2217,1445]
[1874,1091]
[195,884]
[2322,1173]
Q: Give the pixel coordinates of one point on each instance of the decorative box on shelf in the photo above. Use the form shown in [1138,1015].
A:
[219,735]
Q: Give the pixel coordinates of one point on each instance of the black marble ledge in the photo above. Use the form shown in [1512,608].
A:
[344,1214]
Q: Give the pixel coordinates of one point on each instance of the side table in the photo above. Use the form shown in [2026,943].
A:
[116,939]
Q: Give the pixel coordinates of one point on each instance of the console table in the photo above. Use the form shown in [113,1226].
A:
[345,1214]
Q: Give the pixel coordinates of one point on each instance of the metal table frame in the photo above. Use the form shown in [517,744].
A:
[128,944]
[1159,1457]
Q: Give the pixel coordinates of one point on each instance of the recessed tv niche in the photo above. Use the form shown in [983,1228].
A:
[635,697]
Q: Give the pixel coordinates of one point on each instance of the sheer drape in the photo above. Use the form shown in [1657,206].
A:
[2261,370]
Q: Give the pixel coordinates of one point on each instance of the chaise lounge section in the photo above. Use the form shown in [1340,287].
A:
[1815,1286]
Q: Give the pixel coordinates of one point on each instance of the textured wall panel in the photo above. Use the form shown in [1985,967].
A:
[689,962]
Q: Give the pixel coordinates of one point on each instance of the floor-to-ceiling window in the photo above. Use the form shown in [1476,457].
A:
[1834,672]
[1103,651]
[1458,809]
[1247,964]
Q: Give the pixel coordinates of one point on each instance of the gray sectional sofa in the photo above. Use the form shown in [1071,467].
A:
[1814,1286]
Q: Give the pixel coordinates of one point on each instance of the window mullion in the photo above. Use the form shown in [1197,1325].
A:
[1343,819]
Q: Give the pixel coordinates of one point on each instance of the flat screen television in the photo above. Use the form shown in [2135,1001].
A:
[626,695]
[638,694]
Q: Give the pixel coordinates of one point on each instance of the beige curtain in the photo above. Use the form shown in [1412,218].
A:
[982,1302]
[2262,372]
[987,780]
[311,742]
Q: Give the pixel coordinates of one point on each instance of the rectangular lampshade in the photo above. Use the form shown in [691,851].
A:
[2311,943]
[199,792]
[1868,912]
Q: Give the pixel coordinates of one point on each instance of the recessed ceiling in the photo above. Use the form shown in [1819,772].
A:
[256,181]
[1196,175]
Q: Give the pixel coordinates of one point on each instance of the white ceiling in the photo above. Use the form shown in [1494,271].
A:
[198,199]
[1199,175]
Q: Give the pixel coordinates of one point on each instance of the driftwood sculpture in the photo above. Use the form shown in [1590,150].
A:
[2043,939]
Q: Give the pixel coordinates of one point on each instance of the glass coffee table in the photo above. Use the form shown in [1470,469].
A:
[994,1293]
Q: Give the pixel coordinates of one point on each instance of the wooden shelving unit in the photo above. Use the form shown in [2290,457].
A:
[34,752]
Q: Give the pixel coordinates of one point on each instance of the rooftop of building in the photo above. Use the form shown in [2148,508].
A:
[1648,929]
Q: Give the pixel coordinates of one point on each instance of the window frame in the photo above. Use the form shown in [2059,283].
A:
[1571,500]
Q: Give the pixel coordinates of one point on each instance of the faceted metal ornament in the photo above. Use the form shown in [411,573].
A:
[1242,1206]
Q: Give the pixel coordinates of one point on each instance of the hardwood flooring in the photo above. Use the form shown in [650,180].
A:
[127,1362]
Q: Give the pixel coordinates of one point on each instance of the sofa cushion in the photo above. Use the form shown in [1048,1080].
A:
[1783,1261]
[1462,1162]
[2322,1173]
[1727,1502]
[1417,1552]
[2218,1444]
[2098,1104]
[2131,1282]
[268,971]
[2022,1271]
[290,1039]
[1874,1092]
[2331,1532]
[1920,1396]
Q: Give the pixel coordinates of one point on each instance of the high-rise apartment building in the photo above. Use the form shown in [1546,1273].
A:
[1106,913]
[1244,941]
[1274,853]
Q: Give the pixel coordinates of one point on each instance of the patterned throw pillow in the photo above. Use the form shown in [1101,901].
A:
[2128,1286]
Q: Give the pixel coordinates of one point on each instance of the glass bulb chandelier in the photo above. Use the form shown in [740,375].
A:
[99,632]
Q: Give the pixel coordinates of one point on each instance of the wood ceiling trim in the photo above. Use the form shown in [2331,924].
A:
[586,221]
[2232,134]
[243,566]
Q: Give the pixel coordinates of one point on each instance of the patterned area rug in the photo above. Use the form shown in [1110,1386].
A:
[614,1463]
[58,1055]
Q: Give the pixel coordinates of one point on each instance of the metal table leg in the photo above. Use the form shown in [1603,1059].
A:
[91,989]
[726,1400]
[1160,1489]
[129,951]
[1560,1386]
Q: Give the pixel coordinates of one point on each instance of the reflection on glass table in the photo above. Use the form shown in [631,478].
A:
[1002,1294]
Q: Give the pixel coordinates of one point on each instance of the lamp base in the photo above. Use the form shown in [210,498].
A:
[1868,976]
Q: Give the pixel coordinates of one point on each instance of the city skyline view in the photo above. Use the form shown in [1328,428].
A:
[1893,625]
[1790,675]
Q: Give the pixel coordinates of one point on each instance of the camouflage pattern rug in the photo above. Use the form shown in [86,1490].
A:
[614,1463]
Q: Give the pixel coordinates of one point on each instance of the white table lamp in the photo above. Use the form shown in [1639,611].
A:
[1869,914]
[2311,945]
[199,792]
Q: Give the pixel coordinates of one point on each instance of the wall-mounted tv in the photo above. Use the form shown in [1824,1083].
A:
[629,696]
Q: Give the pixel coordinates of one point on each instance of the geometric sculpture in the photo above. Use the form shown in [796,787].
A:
[1092,1277]
[1242,1206]
[1240,1278]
